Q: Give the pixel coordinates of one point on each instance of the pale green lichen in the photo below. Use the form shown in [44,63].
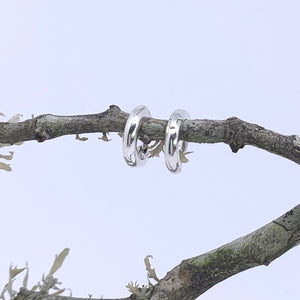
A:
[48,282]
[82,139]
[158,147]
[150,271]
[140,293]
[5,166]
[145,291]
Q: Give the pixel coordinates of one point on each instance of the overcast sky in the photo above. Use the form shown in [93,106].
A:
[215,59]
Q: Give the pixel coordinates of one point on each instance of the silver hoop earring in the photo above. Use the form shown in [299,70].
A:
[135,156]
[172,157]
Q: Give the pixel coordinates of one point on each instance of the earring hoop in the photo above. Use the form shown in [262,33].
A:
[172,156]
[135,156]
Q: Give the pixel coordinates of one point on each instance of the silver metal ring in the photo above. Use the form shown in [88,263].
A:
[135,156]
[172,156]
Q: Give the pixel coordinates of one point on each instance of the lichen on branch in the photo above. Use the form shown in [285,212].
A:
[232,131]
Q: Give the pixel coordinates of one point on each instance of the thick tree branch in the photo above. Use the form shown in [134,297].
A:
[194,276]
[233,131]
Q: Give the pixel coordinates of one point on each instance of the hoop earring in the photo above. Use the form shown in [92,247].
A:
[135,156]
[172,157]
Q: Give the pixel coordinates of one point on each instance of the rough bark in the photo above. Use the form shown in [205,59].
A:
[196,275]
[193,276]
[233,131]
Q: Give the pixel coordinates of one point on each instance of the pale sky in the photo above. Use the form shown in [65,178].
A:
[215,59]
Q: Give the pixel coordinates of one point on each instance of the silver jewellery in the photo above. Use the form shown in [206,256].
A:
[135,156]
[172,156]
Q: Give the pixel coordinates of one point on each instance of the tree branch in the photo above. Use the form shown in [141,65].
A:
[194,276]
[25,294]
[233,131]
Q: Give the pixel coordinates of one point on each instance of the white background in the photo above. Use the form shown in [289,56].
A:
[215,59]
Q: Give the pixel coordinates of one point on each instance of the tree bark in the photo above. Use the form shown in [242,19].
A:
[193,276]
[30,295]
[233,131]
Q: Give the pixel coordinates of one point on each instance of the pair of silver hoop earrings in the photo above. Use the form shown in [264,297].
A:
[137,156]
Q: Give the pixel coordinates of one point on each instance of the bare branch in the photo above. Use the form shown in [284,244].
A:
[30,295]
[233,131]
[196,275]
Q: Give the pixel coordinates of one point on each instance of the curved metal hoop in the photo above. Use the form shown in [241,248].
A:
[133,155]
[172,157]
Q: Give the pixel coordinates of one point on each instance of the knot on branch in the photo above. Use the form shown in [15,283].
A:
[235,134]
[41,136]
[114,109]
[296,144]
